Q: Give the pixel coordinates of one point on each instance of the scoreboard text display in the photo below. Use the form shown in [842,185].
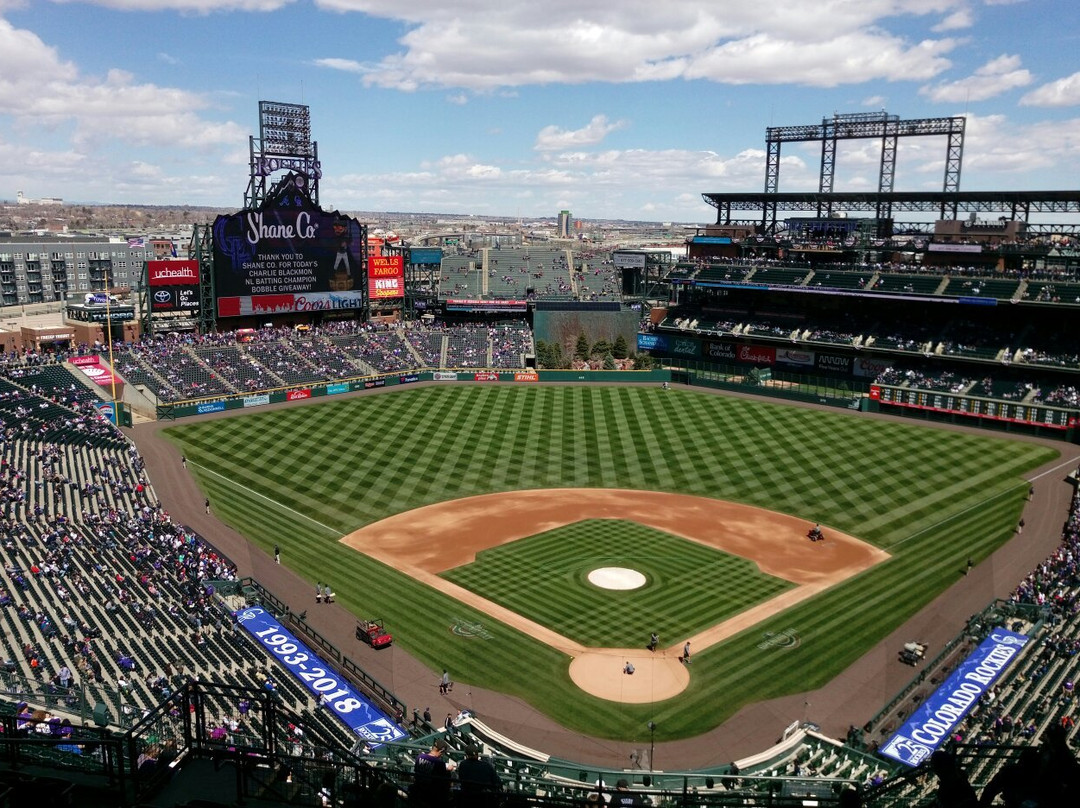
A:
[287,256]
[936,401]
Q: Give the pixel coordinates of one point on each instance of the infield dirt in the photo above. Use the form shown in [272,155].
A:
[427,541]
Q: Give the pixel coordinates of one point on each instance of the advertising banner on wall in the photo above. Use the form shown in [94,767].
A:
[724,351]
[174,298]
[651,342]
[288,256]
[869,368]
[841,364]
[792,356]
[386,276]
[685,346]
[757,354]
[932,723]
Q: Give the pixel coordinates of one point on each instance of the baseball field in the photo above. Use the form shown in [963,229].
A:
[306,477]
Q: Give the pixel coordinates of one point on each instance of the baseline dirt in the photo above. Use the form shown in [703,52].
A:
[427,541]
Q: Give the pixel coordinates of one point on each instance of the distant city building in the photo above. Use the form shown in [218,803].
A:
[43,269]
[566,224]
[22,199]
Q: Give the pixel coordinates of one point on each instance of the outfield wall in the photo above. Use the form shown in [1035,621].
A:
[185,409]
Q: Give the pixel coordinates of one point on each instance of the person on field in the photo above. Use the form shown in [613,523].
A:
[686,653]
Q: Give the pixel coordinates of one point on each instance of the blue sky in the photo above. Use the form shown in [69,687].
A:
[612,108]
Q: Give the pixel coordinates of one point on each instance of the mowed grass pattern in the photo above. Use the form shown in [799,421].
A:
[302,477]
[689,586]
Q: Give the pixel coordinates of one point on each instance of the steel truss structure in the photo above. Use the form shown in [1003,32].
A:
[949,203]
[284,144]
[1013,205]
[865,126]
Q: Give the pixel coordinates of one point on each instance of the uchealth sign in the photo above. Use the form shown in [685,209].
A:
[172,273]
[932,723]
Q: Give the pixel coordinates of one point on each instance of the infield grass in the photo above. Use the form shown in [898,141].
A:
[302,477]
[688,588]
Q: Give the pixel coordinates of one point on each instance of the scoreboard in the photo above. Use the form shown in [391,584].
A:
[992,409]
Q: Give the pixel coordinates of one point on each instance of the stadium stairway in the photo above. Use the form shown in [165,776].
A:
[211,372]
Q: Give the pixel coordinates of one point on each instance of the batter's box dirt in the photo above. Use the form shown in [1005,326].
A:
[427,541]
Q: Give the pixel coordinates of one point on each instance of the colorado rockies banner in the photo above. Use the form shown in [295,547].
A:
[931,724]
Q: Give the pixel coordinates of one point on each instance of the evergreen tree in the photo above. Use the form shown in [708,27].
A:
[620,349]
[609,362]
[581,350]
[601,348]
[544,354]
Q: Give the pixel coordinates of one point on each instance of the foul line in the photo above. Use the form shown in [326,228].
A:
[1052,470]
[268,499]
[949,518]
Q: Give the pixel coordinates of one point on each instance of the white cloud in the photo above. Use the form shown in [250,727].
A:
[344,65]
[552,138]
[168,58]
[1064,92]
[997,148]
[961,18]
[994,78]
[36,86]
[191,6]
[877,101]
[460,99]
[482,45]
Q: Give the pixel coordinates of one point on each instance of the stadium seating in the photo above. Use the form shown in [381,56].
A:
[837,279]
[1052,292]
[779,275]
[909,284]
[467,348]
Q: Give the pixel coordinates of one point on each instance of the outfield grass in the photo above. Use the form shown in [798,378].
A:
[689,587]
[302,477]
